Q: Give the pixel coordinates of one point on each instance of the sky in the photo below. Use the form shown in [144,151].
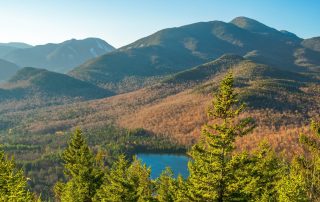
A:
[120,22]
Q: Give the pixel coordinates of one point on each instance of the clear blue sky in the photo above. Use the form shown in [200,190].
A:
[120,22]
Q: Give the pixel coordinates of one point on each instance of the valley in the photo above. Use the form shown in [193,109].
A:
[152,96]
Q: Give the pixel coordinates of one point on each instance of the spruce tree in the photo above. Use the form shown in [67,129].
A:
[126,182]
[167,186]
[292,186]
[210,170]
[255,176]
[139,174]
[84,178]
[13,184]
[310,165]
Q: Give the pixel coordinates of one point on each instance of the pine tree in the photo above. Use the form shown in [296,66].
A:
[140,176]
[310,166]
[210,170]
[126,182]
[13,185]
[167,186]
[79,167]
[256,176]
[292,186]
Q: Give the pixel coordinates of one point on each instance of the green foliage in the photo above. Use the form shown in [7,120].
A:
[210,170]
[13,185]
[292,187]
[126,182]
[167,186]
[310,166]
[84,177]
[255,176]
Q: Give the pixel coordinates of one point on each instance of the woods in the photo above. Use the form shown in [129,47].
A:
[217,172]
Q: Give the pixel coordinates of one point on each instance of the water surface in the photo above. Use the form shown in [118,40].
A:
[158,162]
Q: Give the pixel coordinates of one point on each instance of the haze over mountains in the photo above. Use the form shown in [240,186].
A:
[7,70]
[275,70]
[59,57]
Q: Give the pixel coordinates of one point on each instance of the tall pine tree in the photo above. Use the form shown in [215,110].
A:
[210,170]
[13,185]
[84,177]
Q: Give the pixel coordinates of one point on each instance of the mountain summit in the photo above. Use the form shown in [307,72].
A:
[176,49]
[59,57]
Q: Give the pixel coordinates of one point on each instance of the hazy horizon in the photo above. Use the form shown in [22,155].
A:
[122,22]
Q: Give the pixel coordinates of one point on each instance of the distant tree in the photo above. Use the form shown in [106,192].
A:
[13,184]
[126,182]
[84,178]
[210,171]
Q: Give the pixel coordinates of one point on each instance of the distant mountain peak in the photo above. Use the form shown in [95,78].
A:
[252,25]
[60,57]
[16,45]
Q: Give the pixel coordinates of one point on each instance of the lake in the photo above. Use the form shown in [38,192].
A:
[158,162]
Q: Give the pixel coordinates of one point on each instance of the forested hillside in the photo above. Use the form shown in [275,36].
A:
[217,173]
[73,134]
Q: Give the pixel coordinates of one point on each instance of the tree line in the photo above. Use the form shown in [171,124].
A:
[217,172]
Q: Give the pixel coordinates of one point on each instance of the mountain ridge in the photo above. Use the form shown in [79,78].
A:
[41,84]
[7,69]
[175,49]
[60,57]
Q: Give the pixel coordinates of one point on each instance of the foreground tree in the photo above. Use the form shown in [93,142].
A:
[126,182]
[292,187]
[310,165]
[211,171]
[84,177]
[167,186]
[255,176]
[13,185]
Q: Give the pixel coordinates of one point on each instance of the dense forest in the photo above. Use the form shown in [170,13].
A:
[86,171]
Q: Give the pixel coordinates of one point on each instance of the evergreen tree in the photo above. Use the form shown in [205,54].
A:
[210,170]
[126,182]
[292,187]
[79,167]
[13,185]
[310,166]
[256,176]
[167,186]
[140,176]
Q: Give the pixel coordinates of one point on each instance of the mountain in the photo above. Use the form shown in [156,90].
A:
[312,43]
[6,48]
[59,57]
[7,69]
[176,49]
[19,45]
[260,28]
[39,85]
[175,106]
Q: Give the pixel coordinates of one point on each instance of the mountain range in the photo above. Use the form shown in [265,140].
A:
[7,70]
[59,57]
[163,82]
[175,49]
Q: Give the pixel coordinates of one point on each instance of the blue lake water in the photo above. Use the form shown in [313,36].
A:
[158,162]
